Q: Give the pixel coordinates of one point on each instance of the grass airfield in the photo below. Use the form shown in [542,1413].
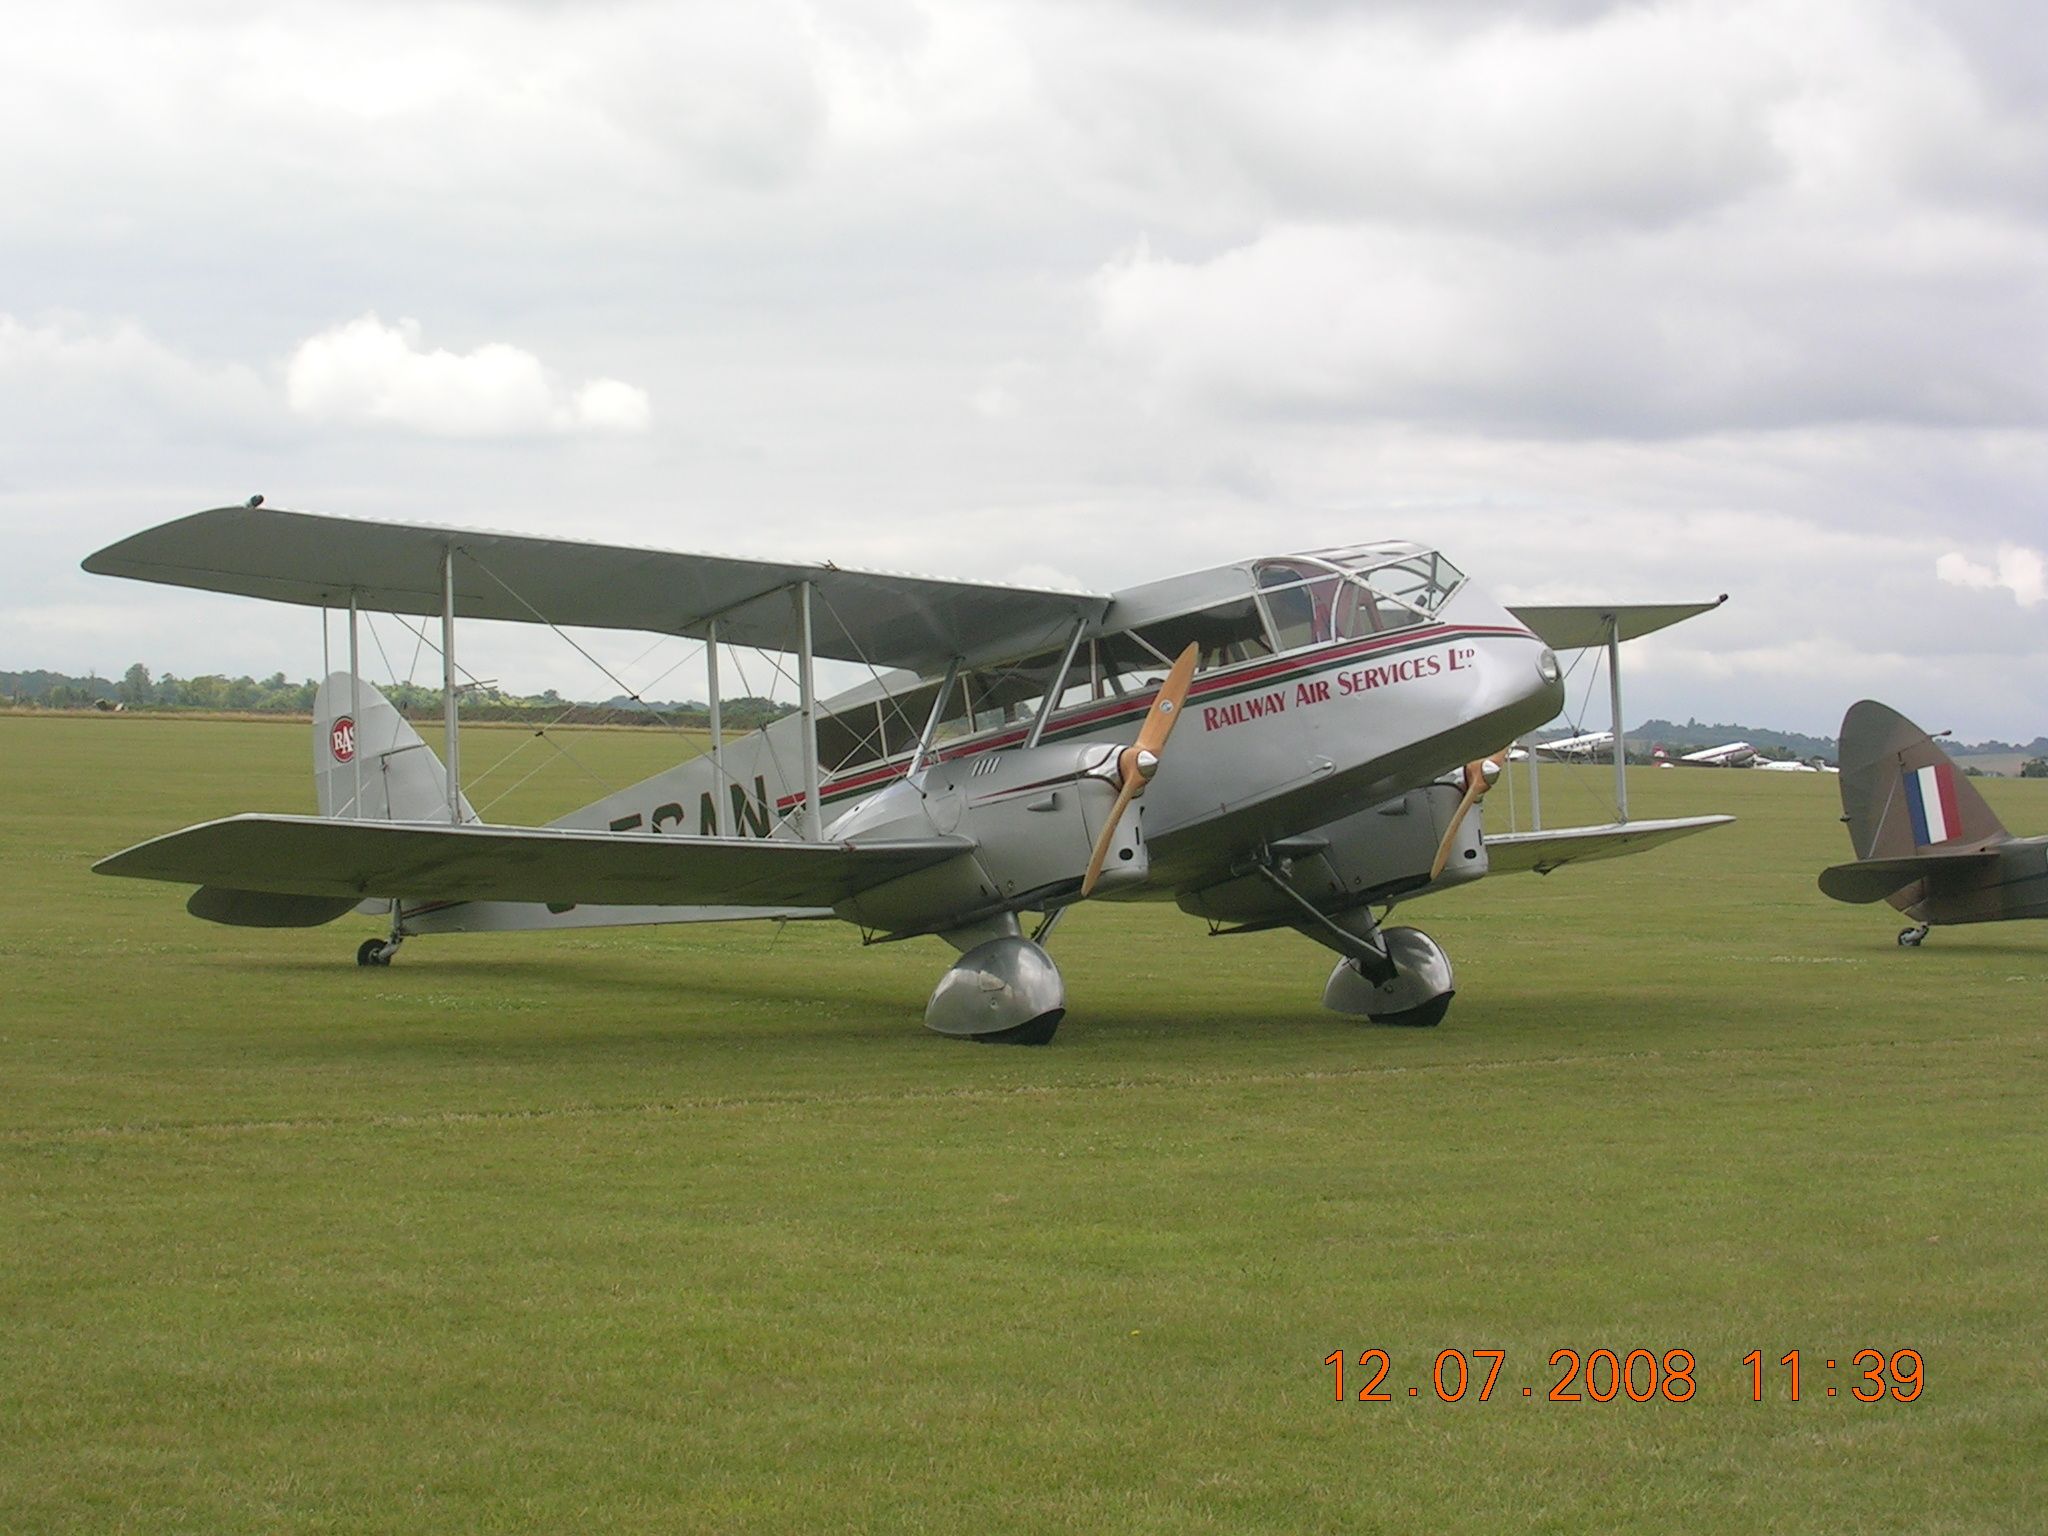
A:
[698,1229]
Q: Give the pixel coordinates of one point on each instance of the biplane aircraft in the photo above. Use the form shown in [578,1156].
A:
[1924,839]
[1295,741]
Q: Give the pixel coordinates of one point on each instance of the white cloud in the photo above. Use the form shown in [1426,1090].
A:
[2019,571]
[74,375]
[1758,322]
[367,371]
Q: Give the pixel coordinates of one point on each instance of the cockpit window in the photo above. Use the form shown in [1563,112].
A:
[1420,584]
[1352,594]
[1301,596]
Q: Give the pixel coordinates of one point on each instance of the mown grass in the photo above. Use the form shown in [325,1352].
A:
[698,1230]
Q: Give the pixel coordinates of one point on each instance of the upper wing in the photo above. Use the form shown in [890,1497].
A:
[1579,626]
[315,856]
[1875,879]
[917,622]
[1513,852]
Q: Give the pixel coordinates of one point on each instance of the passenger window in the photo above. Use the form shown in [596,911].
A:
[1227,634]
[1125,664]
[1301,598]
[986,699]
[850,738]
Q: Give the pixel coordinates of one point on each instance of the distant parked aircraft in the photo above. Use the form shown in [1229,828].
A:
[1576,748]
[1925,840]
[1730,754]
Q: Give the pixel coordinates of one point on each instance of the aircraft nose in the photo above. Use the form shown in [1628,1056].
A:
[1547,687]
[1523,683]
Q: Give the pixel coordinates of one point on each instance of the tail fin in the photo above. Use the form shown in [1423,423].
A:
[376,746]
[1901,796]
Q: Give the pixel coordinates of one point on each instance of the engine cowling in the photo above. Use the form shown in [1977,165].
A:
[1034,814]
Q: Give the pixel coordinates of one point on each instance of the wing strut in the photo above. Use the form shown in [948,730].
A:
[1586,626]
[807,689]
[450,722]
[355,698]
[719,794]
[933,720]
[1058,686]
[1614,698]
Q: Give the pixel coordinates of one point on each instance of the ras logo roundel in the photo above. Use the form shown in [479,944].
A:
[341,741]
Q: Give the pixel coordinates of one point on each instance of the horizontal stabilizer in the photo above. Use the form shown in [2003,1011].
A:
[1876,879]
[316,857]
[266,909]
[1542,852]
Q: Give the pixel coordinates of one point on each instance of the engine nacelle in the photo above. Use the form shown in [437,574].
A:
[1367,858]
[1034,814]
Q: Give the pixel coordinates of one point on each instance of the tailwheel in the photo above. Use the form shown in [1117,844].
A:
[1909,938]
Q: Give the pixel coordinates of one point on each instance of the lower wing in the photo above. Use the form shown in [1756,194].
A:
[318,857]
[1513,852]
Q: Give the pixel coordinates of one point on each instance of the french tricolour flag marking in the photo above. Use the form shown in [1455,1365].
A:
[1931,797]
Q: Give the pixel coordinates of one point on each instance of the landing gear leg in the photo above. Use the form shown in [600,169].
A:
[381,951]
[376,951]
[1909,938]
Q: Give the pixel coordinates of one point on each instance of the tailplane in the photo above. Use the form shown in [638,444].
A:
[368,763]
[361,740]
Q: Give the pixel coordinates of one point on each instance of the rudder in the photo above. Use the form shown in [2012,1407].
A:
[401,778]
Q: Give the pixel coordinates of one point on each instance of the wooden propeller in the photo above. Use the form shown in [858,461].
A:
[1137,763]
[1477,782]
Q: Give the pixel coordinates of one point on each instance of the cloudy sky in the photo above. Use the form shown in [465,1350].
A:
[1638,301]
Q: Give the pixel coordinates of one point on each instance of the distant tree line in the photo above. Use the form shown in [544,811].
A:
[212,692]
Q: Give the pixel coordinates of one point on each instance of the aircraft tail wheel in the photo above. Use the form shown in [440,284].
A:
[1909,938]
[1004,992]
[1418,995]
[375,952]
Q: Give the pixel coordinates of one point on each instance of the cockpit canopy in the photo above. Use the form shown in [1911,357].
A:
[1350,594]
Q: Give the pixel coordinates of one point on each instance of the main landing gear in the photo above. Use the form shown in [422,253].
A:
[1910,938]
[1388,975]
[1416,995]
[1003,990]
[377,951]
